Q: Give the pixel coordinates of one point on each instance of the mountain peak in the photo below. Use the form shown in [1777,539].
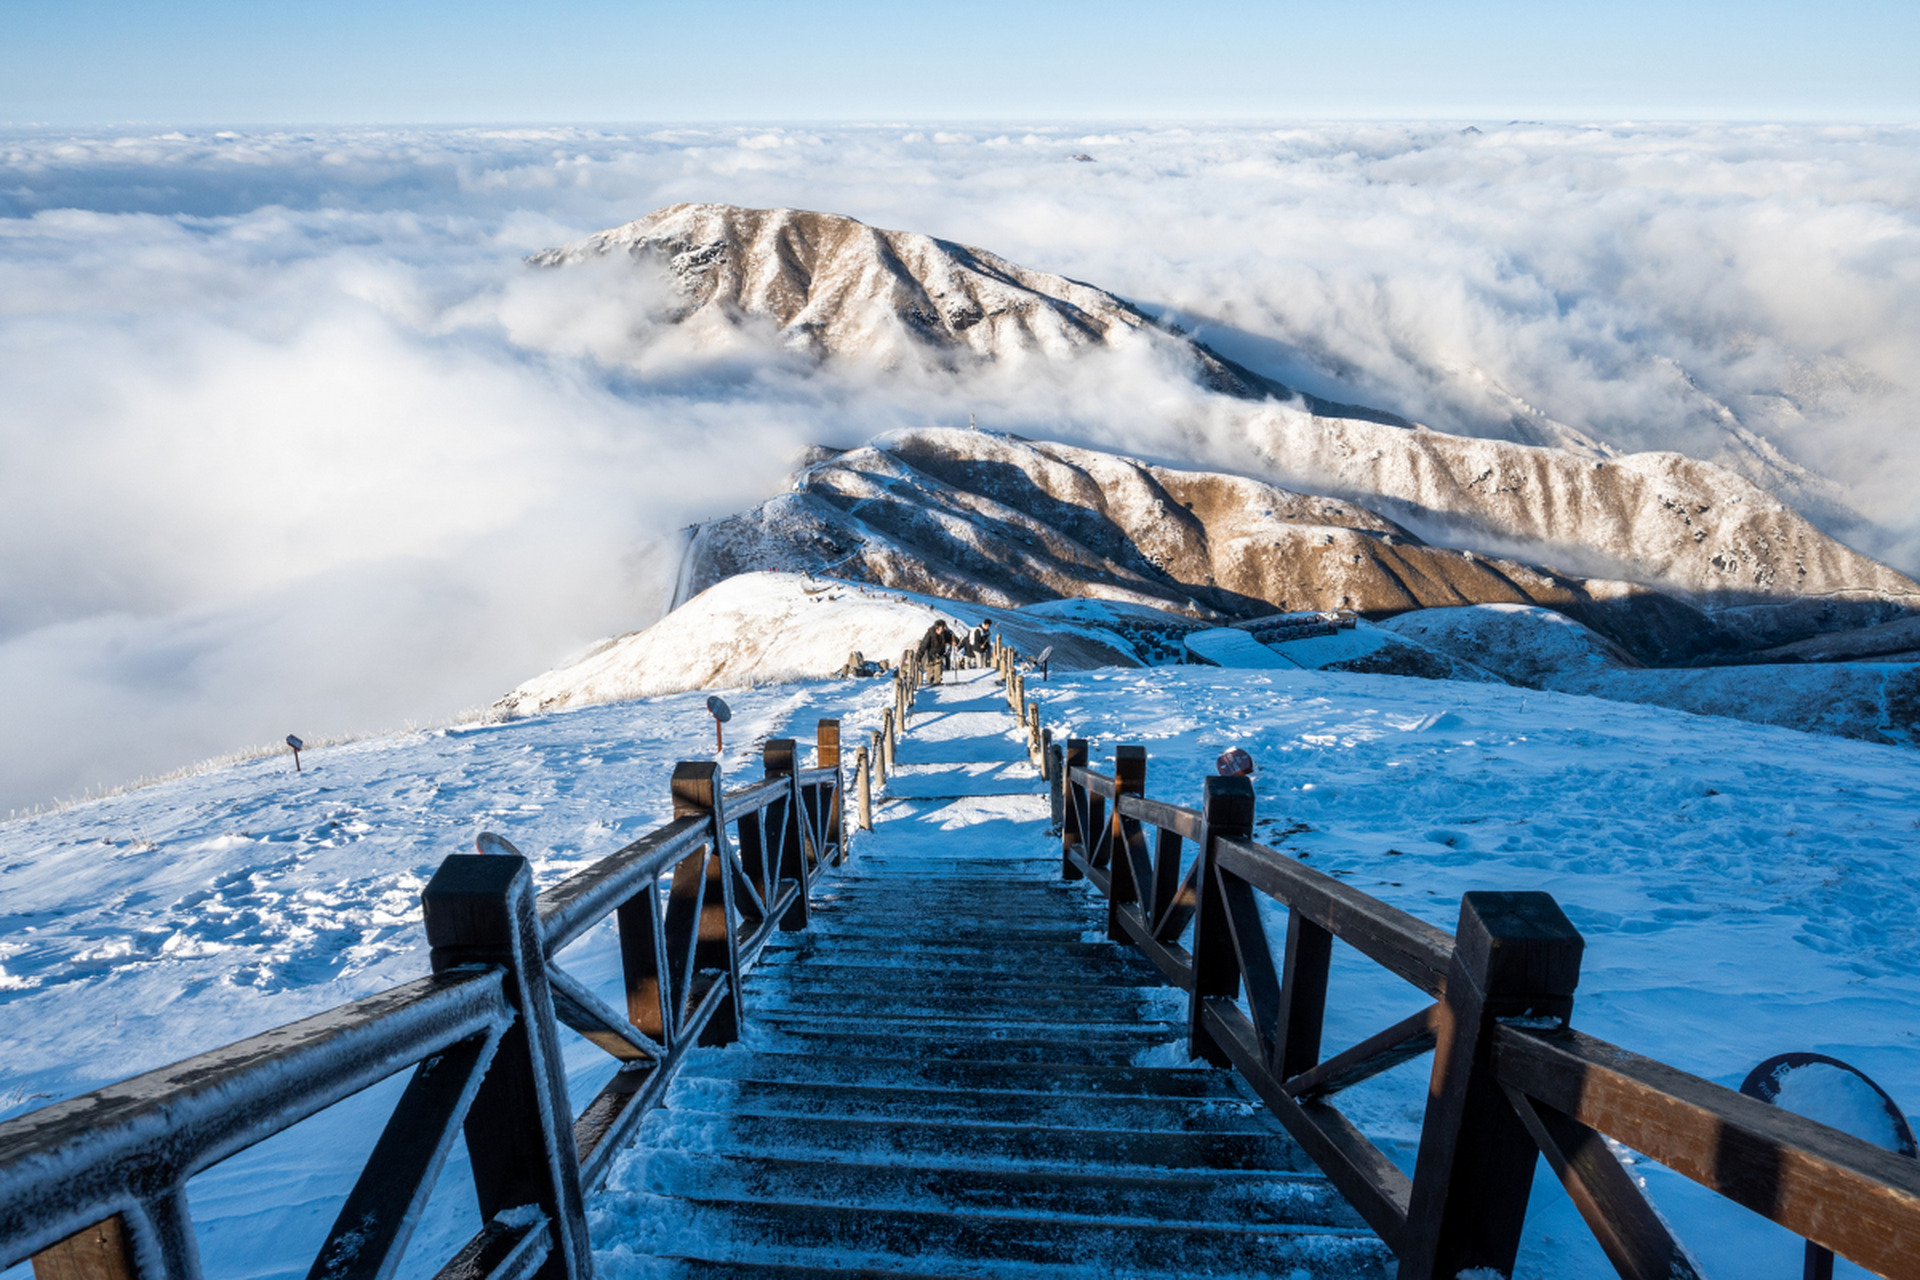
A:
[834,286]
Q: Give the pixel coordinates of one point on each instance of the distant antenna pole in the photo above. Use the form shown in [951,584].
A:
[971,424]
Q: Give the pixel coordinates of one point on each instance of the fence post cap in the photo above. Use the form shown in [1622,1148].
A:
[778,755]
[695,787]
[1226,805]
[1519,942]
[462,902]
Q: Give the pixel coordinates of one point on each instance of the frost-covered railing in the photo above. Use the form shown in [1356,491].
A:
[93,1188]
[1511,1079]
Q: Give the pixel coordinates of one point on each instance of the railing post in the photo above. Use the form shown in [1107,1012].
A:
[1056,784]
[778,756]
[1516,955]
[479,909]
[1033,732]
[887,739]
[1129,779]
[700,908]
[1071,837]
[877,759]
[826,755]
[864,778]
[1226,813]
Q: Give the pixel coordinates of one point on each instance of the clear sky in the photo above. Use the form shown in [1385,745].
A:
[86,62]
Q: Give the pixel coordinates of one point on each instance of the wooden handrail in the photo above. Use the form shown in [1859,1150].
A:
[1184,823]
[95,1186]
[1405,946]
[585,898]
[1510,1081]
[1832,1188]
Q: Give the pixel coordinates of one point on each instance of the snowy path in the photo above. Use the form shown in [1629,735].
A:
[950,1073]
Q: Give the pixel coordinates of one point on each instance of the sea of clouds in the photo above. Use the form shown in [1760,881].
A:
[292,440]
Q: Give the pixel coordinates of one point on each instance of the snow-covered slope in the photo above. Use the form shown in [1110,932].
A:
[1522,644]
[1877,701]
[1360,647]
[763,628]
[1743,890]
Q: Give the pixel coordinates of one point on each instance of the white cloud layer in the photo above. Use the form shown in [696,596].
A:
[290,440]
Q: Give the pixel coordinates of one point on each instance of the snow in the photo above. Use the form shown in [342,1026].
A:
[759,628]
[1876,701]
[1231,647]
[1744,890]
[1835,1096]
[767,627]
[1520,643]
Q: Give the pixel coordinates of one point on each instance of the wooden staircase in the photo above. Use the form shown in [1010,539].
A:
[951,1073]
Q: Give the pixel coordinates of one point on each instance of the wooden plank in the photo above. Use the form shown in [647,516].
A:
[1361,1172]
[1132,871]
[593,1018]
[370,1232]
[1404,1040]
[1078,861]
[1301,1009]
[588,896]
[1833,1189]
[1173,917]
[1092,783]
[1171,959]
[1073,824]
[99,1252]
[1630,1233]
[1403,945]
[1184,823]
[1165,885]
[1255,958]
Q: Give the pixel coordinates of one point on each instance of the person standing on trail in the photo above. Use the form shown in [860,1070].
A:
[979,646]
[932,650]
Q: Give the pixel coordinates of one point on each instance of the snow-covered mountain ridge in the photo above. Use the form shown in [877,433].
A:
[991,519]
[832,286]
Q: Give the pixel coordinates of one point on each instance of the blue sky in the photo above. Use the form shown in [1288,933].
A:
[86,62]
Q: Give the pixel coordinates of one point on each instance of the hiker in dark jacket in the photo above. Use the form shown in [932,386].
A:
[932,651]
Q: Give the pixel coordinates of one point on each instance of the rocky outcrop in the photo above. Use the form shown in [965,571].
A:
[996,520]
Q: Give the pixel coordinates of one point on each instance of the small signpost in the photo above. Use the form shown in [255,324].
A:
[1046,656]
[721,713]
[1838,1094]
[296,744]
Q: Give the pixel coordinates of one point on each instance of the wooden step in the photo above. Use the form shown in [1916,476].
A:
[1197,1198]
[1008,1247]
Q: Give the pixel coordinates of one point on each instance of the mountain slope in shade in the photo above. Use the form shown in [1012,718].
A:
[992,519]
[834,286]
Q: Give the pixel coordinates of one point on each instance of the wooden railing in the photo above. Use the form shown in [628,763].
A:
[93,1188]
[1511,1079]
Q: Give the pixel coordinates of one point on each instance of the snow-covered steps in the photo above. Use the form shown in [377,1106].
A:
[951,1073]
